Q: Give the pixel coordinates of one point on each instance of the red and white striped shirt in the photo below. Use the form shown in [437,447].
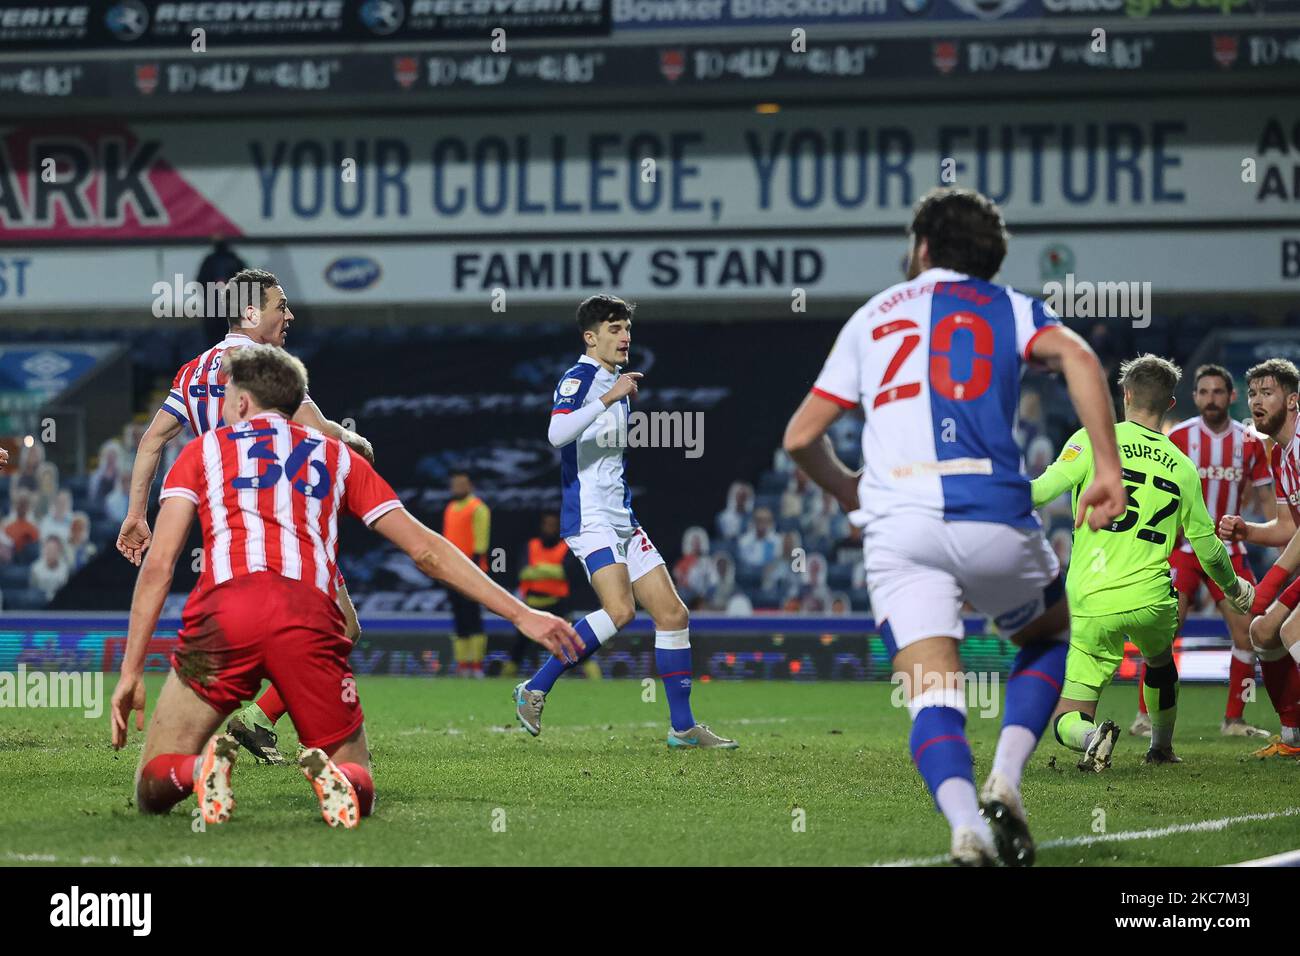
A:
[1226,462]
[200,385]
[269,493]
[1286,476]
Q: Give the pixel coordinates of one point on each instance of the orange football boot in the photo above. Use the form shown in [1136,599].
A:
[1276,748]
[215,794]
[338,798]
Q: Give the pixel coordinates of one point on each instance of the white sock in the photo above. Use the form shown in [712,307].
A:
[602,625]
[1291,736]
[957,801]
[1015,746]
[673,640]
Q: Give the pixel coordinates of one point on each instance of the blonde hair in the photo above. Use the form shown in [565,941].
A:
[1150,380]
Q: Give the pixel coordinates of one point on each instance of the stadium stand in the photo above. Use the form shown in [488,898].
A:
[744,563]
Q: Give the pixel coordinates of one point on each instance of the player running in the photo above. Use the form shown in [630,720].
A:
[1230,459]
[195,403]
[1271,390]
[589,426]
[1119,579]
[935,363]
[268,493]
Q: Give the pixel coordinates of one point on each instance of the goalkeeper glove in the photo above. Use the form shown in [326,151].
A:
[1242,598]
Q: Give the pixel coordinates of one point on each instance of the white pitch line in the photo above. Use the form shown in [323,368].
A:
[1124,836]
[587,728]
[649,724]
[179,861]
[1291,858]
[30,857]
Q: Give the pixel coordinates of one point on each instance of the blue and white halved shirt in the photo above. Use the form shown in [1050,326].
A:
[593,477]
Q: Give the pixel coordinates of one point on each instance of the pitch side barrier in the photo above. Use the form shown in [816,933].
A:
[761,647]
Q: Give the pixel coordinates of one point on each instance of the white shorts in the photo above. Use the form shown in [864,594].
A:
[601,547]
[920,570]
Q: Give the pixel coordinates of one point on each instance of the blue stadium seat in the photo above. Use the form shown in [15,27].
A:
[25,599]
[154,356]
[839,577]
[720,545]
[1156,337]
[822,545]
[14,577]
[186,343]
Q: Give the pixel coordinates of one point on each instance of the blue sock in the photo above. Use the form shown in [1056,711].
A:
[939,747]
[673,660]
[594,629]
[1034,687]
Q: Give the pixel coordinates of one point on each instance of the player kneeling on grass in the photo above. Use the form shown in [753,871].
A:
[1272,391]
[1118,583]
[258,313]
[268,493]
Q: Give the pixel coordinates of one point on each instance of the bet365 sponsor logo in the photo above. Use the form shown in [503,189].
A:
[1221,472]
[75,909]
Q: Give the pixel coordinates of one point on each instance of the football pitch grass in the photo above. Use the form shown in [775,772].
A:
[823,777]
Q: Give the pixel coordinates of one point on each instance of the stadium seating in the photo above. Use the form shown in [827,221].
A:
[353,376]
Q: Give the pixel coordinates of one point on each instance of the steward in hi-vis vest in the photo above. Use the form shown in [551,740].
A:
[466,523]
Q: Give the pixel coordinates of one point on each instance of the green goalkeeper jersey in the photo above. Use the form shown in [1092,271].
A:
[1125,566]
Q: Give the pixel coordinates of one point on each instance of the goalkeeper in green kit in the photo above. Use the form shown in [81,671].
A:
[1118,583]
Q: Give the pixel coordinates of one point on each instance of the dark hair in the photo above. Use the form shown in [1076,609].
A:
[274,378]
[1280,370]
[460,471]
[603,307]
[963,231]
[243,281]
[1151,381]
[1211,369]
